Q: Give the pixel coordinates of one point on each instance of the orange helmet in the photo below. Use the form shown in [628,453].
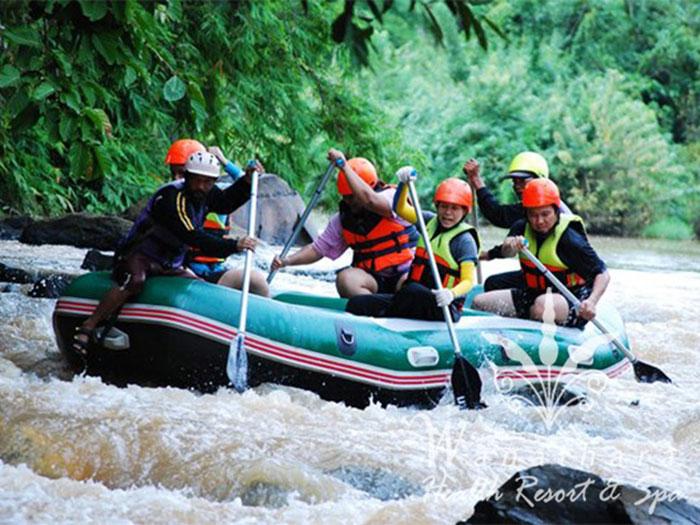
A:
[180,151]
[366,171]
[454,191]
[541,192]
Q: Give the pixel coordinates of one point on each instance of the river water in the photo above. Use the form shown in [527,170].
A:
[73,449]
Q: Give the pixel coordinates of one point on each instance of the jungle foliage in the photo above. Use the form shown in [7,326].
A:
[92,92]
[608,91]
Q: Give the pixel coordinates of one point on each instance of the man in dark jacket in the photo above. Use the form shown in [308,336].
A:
[524,167]
[171,222]
[561,244]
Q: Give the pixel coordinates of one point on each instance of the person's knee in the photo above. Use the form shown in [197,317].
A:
[134,283]
[231,279]
[352,281]
[258,284]
[549,308]
[479,302]
[537,310]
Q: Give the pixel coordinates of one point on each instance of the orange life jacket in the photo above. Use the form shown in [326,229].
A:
[377,242]
[214,224]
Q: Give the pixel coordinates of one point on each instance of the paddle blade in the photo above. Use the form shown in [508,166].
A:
[237,364]
[647,373]
[466,385]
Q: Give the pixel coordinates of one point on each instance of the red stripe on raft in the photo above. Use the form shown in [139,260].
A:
[359,372]
[262,347]
[268,348]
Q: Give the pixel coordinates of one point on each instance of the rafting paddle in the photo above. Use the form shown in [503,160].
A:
[237,362]
[475,220]
[644,372]
[302,220]
[466,383]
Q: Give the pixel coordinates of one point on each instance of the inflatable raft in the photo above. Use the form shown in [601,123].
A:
[177,333]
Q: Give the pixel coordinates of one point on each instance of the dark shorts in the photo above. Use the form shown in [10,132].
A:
[210,272]
[413,301]
[504,281]
[136,267]
[523,299]
[386,283]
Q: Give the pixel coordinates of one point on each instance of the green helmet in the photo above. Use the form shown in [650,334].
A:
[528,164]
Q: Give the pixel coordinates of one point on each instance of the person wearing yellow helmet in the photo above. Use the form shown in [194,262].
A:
[382,243]
[560,242]
[455,244]
[525,166]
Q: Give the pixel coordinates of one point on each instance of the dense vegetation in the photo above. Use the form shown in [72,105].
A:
[93,92]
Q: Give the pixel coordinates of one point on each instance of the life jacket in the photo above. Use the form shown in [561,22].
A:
[214,224]
[547,253]
[448,267]
[377,242]
[155,240]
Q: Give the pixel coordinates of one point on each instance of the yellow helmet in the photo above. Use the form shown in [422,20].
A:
[528,164]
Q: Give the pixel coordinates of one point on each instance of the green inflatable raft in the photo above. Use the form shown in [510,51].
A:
[177,332]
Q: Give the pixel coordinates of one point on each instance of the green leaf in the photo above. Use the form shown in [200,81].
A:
[80,161]
[23,36]
[43,90]
[8,75]
[99,118]
[174,89]
[129,76]
[94,9]
[17,103]
[89,93]
[26,119]
[66,128]
[107,45]
[63,61]
[103,161]
[72,99]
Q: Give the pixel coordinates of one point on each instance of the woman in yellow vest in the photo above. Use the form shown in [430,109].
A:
[456,248]
[560,242]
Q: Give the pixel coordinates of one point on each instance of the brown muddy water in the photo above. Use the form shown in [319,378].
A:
[75,450]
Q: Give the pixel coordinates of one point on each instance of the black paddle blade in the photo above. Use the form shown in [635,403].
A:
[647,373]
[466,385]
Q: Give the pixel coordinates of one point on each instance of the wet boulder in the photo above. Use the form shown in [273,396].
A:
[51,286]
[11,228]
[279,209]
[9,274]
[96,261]
[557,494]
[78,229]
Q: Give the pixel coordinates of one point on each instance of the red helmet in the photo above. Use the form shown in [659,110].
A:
[180,151]
[364,169]
[541,192]
[454,191]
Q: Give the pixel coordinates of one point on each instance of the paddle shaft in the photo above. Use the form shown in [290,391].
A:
[248,266]
[475,220]
[575,301]
[433,266]
[302,220]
